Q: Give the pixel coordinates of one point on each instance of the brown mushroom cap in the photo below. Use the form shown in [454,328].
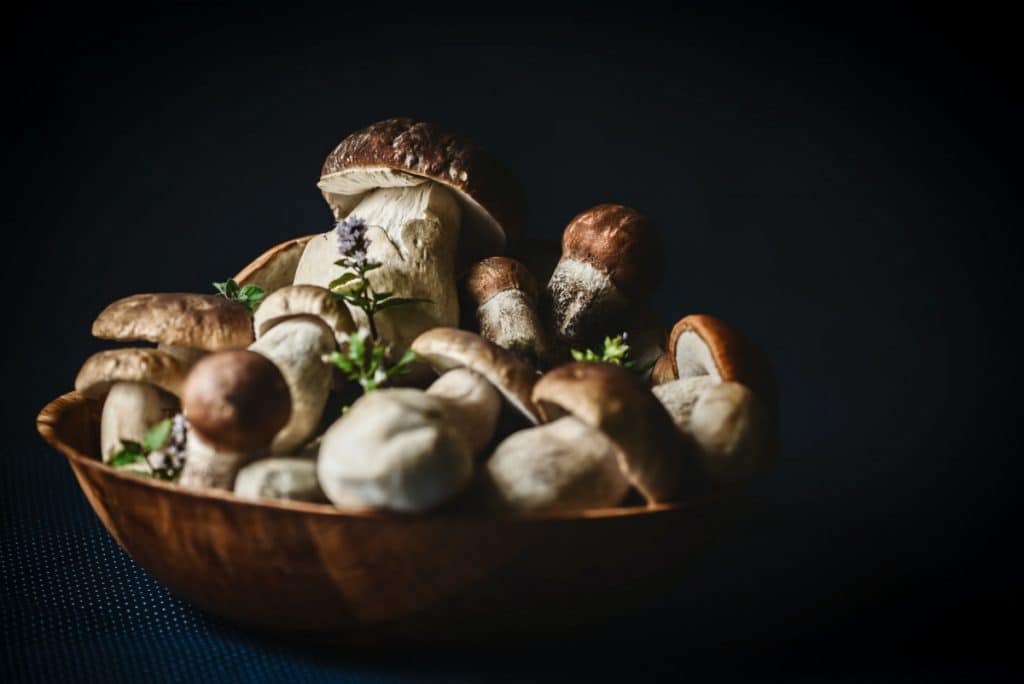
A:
[652,453]
[492,200]
[274,268]
[618,241]
[448,348]
[236,400]
[295,300]
[663,371]
[733,355]
[492,275]
[152,366]
[202,321]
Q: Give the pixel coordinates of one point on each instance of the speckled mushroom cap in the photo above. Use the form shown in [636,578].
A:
[618,241]
[295,300]
[402,152]
[492,275]
[151,366]
[209,322]
[704,345]
[651,451]
[448,348]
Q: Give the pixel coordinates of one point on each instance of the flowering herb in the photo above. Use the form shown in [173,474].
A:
[161,454]
[250,295]
[615,351]
[363,361]
[353,285]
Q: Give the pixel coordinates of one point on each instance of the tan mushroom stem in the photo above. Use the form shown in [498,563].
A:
[565,465]
[414,234]
[510,320]
[208,466]
[473,404]
[583,300]
[280,478]
[129,411]
[297,346]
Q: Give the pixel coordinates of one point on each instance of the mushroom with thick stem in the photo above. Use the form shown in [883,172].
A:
[504,295]
[427,197]
[612,260]
[235,403]
[295,300]
[411,450]
[275,268]
[139,388]
[653,455]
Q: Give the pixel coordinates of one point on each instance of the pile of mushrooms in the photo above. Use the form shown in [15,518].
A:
[496,415]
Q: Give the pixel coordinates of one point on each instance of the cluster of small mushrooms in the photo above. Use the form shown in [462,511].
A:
[495,416]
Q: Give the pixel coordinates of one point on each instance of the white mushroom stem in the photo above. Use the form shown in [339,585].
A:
[581,295]
[187,354]
[565,465]
[473,405]
[297,347]
[129,411]
[207,466]
[280,478]
[413,233]
[510,320]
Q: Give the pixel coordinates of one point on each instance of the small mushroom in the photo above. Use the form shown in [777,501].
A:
[294,300]
[292,478]
[504,295]
[297,344]
[734,436]
[235,403]
[652,453]
[561,466]
[612,260]
[139,388]
[704,345]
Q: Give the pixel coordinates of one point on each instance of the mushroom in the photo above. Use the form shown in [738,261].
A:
[504,295]
[293,479]
[427,196]
[704,345]
[612,260]
[561,466]
[185,325]
[140,387]
[297,344]
[735,438]
[275,268]
[294,300]
[652,453]
[235,402]
[410,450]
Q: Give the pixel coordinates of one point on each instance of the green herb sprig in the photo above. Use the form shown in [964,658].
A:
[364,361]
[614,351]
[249,295]
[132,454]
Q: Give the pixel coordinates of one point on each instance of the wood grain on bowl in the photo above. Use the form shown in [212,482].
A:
[310,571]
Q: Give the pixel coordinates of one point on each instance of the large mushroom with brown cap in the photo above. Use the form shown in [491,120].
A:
[412,450]
[702,345]
[427,197]
[653,455]
[276,267]
[235,403]
[505,297]
[612,260]
[139,387]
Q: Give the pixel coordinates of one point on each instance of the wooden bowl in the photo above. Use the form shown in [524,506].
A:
[313,572]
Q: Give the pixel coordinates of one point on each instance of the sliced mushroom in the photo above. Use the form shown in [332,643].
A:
[235,403]
[293,479]
[504,295]
[612,260]
[297,344]
[565,465]
[652,453]
[139,388]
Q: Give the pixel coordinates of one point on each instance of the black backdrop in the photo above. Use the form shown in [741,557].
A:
[839,183]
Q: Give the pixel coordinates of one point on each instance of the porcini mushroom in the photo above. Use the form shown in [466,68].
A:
[504,295]
[139,388]
[297,344]
[651,452]
[293,479]
[275,268]
[564,465]
[612,260]
[294,300]
[235,403]
[704,345]
[426,196]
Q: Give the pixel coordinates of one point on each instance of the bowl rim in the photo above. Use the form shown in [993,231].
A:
[49,417]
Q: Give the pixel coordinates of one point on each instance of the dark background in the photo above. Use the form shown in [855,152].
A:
[841,183]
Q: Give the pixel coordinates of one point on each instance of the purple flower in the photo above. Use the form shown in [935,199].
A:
[351,236]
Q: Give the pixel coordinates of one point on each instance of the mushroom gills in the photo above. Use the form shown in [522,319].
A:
[414,234]
[129,411]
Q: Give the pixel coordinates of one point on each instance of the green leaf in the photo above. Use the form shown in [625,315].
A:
[356,348]
[401,367]
[229,288]
[341,361]
[371,266]
[157,435]
[126,458]
[342,279]
[400,301]
[578,355]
